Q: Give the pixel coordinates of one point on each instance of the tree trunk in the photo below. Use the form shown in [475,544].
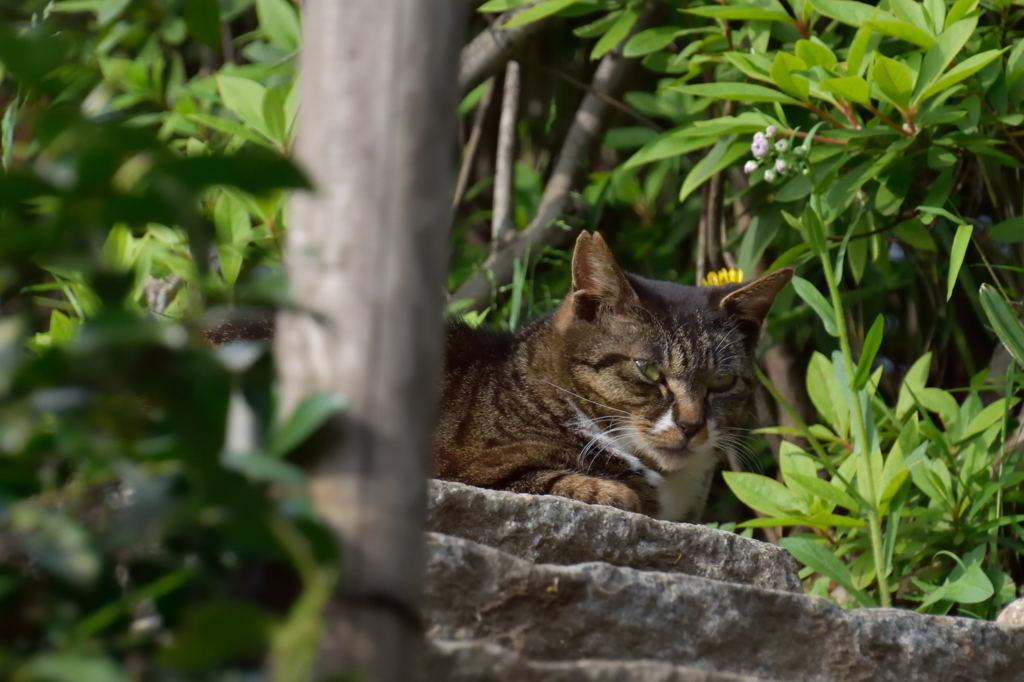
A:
[366,259]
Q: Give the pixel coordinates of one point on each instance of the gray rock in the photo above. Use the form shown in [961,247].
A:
[564,613]
[455,661]
[557,530]
[1012,613]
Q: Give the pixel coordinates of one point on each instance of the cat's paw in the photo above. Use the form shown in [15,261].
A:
[597,491]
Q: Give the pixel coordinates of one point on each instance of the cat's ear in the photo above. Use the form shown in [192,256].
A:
[751,302]
[596,277]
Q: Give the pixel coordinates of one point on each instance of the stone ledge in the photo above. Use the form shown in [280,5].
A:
[565,613]
[457,661]
[557,530]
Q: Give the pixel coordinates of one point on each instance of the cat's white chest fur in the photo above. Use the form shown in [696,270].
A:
[683,493]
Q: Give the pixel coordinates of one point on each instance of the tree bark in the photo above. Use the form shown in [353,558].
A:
[366,259]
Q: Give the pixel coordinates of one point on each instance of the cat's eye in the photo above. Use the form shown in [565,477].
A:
[651,371]
[721,382]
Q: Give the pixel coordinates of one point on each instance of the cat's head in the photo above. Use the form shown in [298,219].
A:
[659,369]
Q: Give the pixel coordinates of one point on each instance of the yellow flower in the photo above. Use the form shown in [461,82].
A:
[723,276]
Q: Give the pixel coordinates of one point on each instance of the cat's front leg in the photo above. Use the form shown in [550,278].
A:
[597,491]
[589,489]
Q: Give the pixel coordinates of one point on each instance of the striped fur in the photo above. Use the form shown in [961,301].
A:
[568,405]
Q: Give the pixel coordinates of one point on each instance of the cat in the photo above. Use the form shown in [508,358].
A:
[624,395]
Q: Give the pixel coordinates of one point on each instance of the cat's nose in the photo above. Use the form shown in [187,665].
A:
[689,416]
[690,429]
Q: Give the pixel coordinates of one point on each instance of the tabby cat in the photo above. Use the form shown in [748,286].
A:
[625,395]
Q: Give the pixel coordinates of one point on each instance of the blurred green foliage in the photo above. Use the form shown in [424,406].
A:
[143,533]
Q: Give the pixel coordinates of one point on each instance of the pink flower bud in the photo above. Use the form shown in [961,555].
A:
[759,147]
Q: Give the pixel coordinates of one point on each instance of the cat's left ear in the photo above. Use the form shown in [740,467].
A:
[752,301]
[597,280]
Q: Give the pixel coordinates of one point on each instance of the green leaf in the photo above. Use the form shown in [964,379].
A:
[651,40]
[219,631]
[751,65]
[783,67]
[961,71]
[668,145]
[959,10]
[961,240]
[823,389]
[279,22]
[245,98]
[895,80]
[942,53]
[234,231]
[1011,230]
[912,384]
[872,341]
[119,249]
[851,88]
[741,92]
[71,667]
[820,520]
[990,415]
[1005,322]
[850,13]
[855,62]
[825,491]
[261,467]
[538,12]
[310,414]
[274,115]
[935,14]
[914,233]
[764,494]
[897,28]
[62,328]
[818,303]
[940,402]
[740,13]
[203,20]
[500,5]
[615,34]
[815,53]
[817,558]
[55,542]
[971,587]
[722,155]
[230,127]
[597,28]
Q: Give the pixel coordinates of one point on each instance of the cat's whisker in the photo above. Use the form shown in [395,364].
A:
[599,404]
[731,439]
[595,442]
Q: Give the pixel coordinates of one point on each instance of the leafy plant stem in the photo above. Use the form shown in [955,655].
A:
[873,521]
[816,138]
[887,121]
[848,113]
[802,425]
[823,114]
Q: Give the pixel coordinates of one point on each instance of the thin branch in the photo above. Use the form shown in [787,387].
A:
[473,144]
[816,138]
[492,47]
[823,114]
[887,121]
[612,101]
[586,126]
[709,240]
[501,209]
